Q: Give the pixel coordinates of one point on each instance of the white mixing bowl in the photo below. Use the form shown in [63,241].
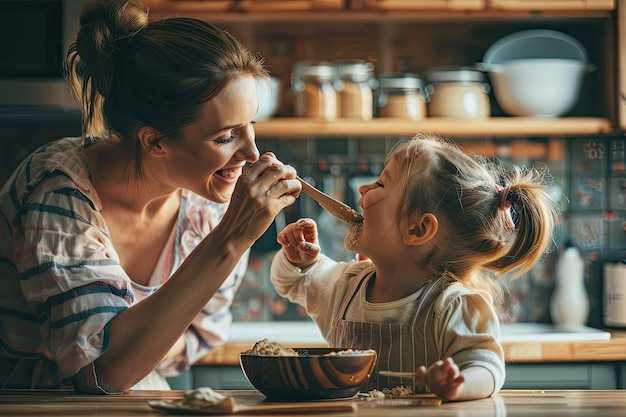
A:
[268,93]
[537,87]
[536,73]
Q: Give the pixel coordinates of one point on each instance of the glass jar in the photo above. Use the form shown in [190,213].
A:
[314,85]
[461,92]
[356,96]
[614,290]
[401,95]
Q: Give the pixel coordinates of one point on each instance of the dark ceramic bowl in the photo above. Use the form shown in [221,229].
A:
[312,375]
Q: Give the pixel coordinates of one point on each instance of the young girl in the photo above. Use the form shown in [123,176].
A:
[437,225]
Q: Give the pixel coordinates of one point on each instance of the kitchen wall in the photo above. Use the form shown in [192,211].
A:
[589,175]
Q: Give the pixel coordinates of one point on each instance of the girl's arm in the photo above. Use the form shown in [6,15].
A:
[467,331]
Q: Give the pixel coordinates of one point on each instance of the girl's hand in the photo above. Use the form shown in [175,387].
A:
[442,377]
[299,241]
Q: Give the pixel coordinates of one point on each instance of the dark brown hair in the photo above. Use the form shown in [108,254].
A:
[128,72]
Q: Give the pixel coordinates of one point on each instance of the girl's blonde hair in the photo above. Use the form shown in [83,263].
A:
[475,201]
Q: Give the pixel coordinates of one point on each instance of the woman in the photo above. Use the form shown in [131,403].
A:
[91,226]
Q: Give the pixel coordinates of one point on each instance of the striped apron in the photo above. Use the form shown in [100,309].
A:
[400,347]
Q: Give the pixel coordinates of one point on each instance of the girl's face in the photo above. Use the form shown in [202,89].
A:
[380,202]
[212,152]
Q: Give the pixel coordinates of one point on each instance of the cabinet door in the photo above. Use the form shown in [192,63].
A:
[425,4]
[560,376]
[552,4]
[220,377]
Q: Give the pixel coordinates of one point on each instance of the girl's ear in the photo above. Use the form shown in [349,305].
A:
[423,230]
[150,140]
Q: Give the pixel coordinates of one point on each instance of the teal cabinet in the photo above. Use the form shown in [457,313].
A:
[562,376]
[518,376]
[216,377]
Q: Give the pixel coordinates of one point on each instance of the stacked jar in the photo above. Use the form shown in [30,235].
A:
[315,86]
[461,92]
[402,95]
[356,95]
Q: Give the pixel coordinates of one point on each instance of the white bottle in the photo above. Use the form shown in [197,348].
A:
[569,304]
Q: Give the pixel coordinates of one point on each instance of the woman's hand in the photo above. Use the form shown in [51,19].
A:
[299,241]
[262,191]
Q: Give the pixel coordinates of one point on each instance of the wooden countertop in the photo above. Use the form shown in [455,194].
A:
[613,349]
[510,403]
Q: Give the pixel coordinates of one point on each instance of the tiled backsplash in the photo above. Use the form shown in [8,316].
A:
[589,179]
[589,175]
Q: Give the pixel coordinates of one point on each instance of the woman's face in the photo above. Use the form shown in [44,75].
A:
[209,157]
[380,201]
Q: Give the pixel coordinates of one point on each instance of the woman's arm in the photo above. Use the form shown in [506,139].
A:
[140,336]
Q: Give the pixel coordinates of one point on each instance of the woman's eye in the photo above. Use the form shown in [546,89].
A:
[234,133]
[227,138]
[380,184]
[222,141]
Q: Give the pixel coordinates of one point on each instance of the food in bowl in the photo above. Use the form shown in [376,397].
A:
[267,348]
[310,374]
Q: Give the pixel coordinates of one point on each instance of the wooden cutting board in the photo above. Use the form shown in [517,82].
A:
[261,408]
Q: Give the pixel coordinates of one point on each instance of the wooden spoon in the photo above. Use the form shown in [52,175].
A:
[340,210]
[397,374]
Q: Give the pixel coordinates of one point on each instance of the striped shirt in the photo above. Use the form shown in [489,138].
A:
[61,280]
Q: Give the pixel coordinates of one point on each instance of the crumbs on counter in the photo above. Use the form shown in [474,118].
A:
[399,391]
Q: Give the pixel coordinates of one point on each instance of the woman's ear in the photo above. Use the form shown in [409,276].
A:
[423,230]
[150,140]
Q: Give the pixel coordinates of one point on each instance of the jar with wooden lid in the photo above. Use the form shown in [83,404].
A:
[356,96]
[314,86]
[401,95]
[461,92]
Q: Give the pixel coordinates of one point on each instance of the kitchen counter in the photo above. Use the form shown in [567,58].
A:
[509,403]
[520,344]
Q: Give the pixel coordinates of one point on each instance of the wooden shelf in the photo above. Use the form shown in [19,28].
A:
[222,12]
[449,127]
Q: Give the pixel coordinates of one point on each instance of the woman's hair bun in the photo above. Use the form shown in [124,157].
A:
[104,22]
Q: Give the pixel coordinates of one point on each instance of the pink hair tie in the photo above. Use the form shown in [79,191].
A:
[504,204]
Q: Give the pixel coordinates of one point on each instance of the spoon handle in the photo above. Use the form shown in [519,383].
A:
[335,207]
[397,374]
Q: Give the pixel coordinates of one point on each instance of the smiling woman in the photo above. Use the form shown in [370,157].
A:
[150,212]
